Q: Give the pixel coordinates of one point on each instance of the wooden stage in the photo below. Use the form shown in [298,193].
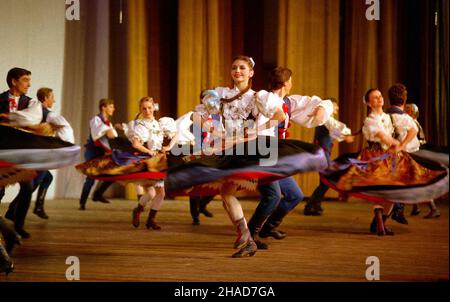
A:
[333,247]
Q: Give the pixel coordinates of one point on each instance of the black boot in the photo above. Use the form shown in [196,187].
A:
[98,194]
[151,222]
[254,225]
[398,213]
[39,207]
[6,264]
[270,227]
[9,235]
[136,215]
[83,199]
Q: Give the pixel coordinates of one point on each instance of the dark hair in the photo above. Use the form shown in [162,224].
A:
[247,59]
[15,74]
[396,93]
[104,103]
[278,77]
[367,95]
[366,98]
[42,93]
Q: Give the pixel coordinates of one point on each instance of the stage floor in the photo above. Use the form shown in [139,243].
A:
[333,247]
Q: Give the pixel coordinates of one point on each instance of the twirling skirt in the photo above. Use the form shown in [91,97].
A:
[204,175]
[25,150]
[380,176]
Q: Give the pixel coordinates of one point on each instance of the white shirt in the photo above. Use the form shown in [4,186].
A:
[64,131]
[99,129]
[301,107]
[402,124]
[30,116]
[376,123]
[337,129]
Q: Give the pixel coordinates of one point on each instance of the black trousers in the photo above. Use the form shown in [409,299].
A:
[18,208]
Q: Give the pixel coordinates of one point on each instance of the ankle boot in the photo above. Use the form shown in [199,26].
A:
[136,215]
[269,229]
[387,231]
[39,207]
[9,235]
[6,264]
[83,199]
[151,223]
[98,194]
[243,233]
[254,226]
[248,250]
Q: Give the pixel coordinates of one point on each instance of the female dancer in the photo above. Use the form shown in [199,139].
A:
[147,136]
[384,172]
[236,106]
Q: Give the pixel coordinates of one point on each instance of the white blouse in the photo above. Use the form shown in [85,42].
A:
[376,123]
[402,124]
[99,129]
[150,131]
[337,129]
[237,112]
[301,107]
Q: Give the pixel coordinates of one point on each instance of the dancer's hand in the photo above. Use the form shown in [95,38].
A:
[349,139]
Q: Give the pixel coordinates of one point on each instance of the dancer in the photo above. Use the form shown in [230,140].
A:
[324,136]
[13,100]
[383,172]
[237,106]
[101,129]
[147,136]
[64,131]
[280,197]
[407,128]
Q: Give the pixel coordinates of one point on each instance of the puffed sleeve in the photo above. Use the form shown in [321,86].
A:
[302,106]
[210,102]
[372,126]
[28,117]
[99,129]
[137,129]
[337,129]
[403,123]
[64,130]
[183,124]
[168,126]
[267,103]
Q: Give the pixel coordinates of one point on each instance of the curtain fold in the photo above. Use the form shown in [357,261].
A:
[308,44]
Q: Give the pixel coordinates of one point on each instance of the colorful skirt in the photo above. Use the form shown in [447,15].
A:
[126,167]
[24,150]
[204,175]
[380,176]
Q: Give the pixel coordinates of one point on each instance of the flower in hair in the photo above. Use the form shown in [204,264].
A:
[253,62]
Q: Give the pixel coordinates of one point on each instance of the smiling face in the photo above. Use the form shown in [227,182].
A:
[109,109]
[376,100]
[241,72]
[147,109]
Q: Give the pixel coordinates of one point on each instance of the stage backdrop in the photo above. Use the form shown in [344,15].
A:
[32,35]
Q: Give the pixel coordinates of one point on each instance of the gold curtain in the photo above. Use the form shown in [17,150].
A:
[137,62]
[204,52]
[370,60]
[308,44]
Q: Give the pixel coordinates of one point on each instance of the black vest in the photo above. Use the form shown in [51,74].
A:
[24,101]
[45,113]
